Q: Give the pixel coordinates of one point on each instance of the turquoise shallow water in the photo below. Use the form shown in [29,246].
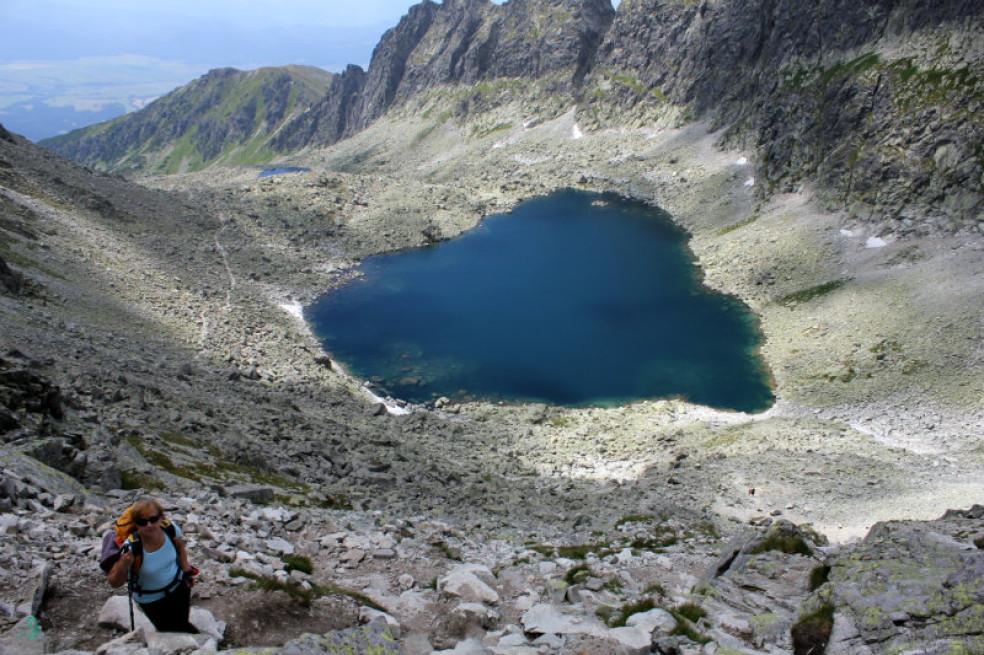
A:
[573,299]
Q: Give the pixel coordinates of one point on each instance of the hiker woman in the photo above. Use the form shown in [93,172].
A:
[162,576]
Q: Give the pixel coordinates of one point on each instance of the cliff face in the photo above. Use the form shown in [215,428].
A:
[459,42]
[879,102]
[225,116]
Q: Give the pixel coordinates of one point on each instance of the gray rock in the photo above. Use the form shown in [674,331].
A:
[25,638]
[462,582]
[374,638]
[561,620]
[254,493]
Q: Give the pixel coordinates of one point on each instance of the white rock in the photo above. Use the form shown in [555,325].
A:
[631,641]
[553,619]
[512,640]
[651,621]
[466,647]
[279,546]
[464,584]
[167,643]
[115,613]
[206,623]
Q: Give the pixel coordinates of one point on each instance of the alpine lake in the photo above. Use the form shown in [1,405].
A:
[573,299]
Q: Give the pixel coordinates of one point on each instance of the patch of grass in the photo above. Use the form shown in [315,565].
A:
[655,589]
[690,611]
[790,545]
[444,548]
[179,439]
[481,133]
[737,226]
[819,577]
[812,632]
[687,615]
[576,574]
[631,82]
[298,563]
[663,537]
[808,294]
[300,594]
[618,619]
[614,585]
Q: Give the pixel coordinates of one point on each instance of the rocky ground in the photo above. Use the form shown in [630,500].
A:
[151,339]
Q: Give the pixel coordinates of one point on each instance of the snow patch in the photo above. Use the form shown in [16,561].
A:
[742,161]
[576,132]
[875,242]
[846,233]
[391,406]
[750,181]
[294,308]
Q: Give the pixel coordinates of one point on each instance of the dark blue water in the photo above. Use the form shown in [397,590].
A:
[281,171]
[573,299]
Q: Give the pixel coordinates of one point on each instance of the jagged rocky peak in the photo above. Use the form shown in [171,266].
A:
[458,42]
[465,41]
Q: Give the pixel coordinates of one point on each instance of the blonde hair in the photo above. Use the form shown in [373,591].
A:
[126,524]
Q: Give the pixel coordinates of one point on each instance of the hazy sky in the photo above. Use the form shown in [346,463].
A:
[245,32]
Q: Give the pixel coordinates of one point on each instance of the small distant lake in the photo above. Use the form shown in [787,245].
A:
[282,171]
[573,299]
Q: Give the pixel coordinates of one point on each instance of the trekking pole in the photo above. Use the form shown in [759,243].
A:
[129,593]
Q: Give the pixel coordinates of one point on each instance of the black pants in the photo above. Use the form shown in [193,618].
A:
[170,614]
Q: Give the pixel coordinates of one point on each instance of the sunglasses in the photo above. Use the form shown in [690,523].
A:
[144,521]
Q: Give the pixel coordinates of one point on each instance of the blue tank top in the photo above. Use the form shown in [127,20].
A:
[158,569]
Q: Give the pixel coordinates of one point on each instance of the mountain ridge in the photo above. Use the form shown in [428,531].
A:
[831,94]
[226,116]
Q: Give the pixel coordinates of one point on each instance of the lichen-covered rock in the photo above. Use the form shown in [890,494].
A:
[912,583]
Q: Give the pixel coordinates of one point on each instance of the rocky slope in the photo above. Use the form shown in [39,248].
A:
[226,117]
[148,344]
[150,341]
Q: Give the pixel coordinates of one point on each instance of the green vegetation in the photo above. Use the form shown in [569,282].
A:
[302,595]
[812,632]
[631,82]
[687,615]
[856,66]
[791,545]
[577,574]
[819,577]
[737,226]
[663,537]
[481,133]
[618,618]
[655,589]
[450,554]
[806,295]
[298,563]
